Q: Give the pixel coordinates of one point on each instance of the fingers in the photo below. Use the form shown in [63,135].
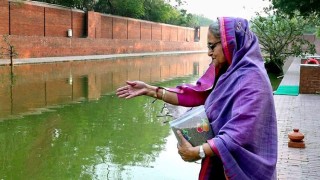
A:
[122,92]
[132,89]
[183,140]
[123,88]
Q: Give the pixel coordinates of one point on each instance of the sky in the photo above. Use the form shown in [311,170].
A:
[236,8]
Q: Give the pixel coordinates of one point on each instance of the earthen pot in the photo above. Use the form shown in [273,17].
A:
[295,136]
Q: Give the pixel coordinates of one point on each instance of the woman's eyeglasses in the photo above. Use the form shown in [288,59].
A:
[212,46]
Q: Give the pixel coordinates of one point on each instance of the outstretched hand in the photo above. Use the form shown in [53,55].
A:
[132,89]
[186,150]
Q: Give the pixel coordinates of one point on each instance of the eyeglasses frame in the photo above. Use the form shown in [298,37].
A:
[212,46]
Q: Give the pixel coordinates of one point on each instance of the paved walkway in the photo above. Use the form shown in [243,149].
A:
[303,112]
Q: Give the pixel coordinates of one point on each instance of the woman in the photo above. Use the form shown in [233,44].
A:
[237,96]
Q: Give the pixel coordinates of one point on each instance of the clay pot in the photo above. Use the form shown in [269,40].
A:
[295,136]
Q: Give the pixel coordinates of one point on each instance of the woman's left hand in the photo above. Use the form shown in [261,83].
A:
[186,150]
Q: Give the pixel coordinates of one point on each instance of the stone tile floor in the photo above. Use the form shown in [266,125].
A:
[303,112]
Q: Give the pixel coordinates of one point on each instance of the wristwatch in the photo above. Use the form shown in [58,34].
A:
[201,152]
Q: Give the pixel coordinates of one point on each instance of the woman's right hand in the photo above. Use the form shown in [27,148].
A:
[133,89]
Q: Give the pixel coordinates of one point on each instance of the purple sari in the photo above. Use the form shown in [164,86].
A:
[241,111]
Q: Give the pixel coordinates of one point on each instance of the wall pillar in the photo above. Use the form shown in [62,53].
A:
[94,24]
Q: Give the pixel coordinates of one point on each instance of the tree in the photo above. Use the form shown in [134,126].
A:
[290,7]
[308,9]
[151,10]
[280,37]
[7,49]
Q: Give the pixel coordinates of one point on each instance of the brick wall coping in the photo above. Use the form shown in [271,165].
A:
[140,20]
[91,57]
[44,4]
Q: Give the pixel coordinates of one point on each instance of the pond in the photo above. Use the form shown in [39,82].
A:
[63,121]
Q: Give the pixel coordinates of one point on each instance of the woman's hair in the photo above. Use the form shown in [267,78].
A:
[214,29]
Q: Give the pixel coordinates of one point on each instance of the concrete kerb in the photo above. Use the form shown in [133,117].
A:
[91,57]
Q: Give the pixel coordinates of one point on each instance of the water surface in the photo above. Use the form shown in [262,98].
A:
[63,121]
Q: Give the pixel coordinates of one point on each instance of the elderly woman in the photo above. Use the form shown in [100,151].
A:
[237,96]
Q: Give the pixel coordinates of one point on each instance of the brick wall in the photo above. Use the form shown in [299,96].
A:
[145,31]
[106,27]
[40,30]
[156,32]
[26,19]
[166,33]
[309,78]
[134,30]
[29,46]
[57,22]
[78,24]
[4,17]
[120,28]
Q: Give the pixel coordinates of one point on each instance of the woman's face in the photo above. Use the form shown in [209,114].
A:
[215,51]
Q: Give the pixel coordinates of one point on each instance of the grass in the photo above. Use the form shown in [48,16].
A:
[275,81]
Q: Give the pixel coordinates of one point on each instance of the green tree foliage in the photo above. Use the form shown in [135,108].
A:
[308,9]
[79,4]
[127,8]
[151,10]
[290,7]
[280,37]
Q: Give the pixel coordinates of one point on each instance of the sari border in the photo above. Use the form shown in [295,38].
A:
[224,40]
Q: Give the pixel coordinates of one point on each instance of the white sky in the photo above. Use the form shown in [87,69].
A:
[236,8]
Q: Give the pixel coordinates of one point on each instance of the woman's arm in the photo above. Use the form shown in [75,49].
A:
[138,88]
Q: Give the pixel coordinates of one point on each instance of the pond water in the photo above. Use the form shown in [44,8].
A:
[63,121]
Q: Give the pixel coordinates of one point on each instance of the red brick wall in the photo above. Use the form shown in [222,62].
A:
[26,19]
[145,31]
[40,30]
[78,24]
[309,79]
[181,34]
[203,35]
[57,22]
[190,37]
[106,27]
[166,33]
[120,28]
[94,25]
[4,17]
[134,29]
[156,31]
[173,33]
[28,46]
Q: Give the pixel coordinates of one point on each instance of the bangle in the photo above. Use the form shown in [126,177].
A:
[163,93]
[156,95]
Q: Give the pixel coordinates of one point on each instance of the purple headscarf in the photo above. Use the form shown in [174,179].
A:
[241,110]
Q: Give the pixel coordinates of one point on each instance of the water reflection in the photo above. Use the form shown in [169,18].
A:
[62,121]
[31,87]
